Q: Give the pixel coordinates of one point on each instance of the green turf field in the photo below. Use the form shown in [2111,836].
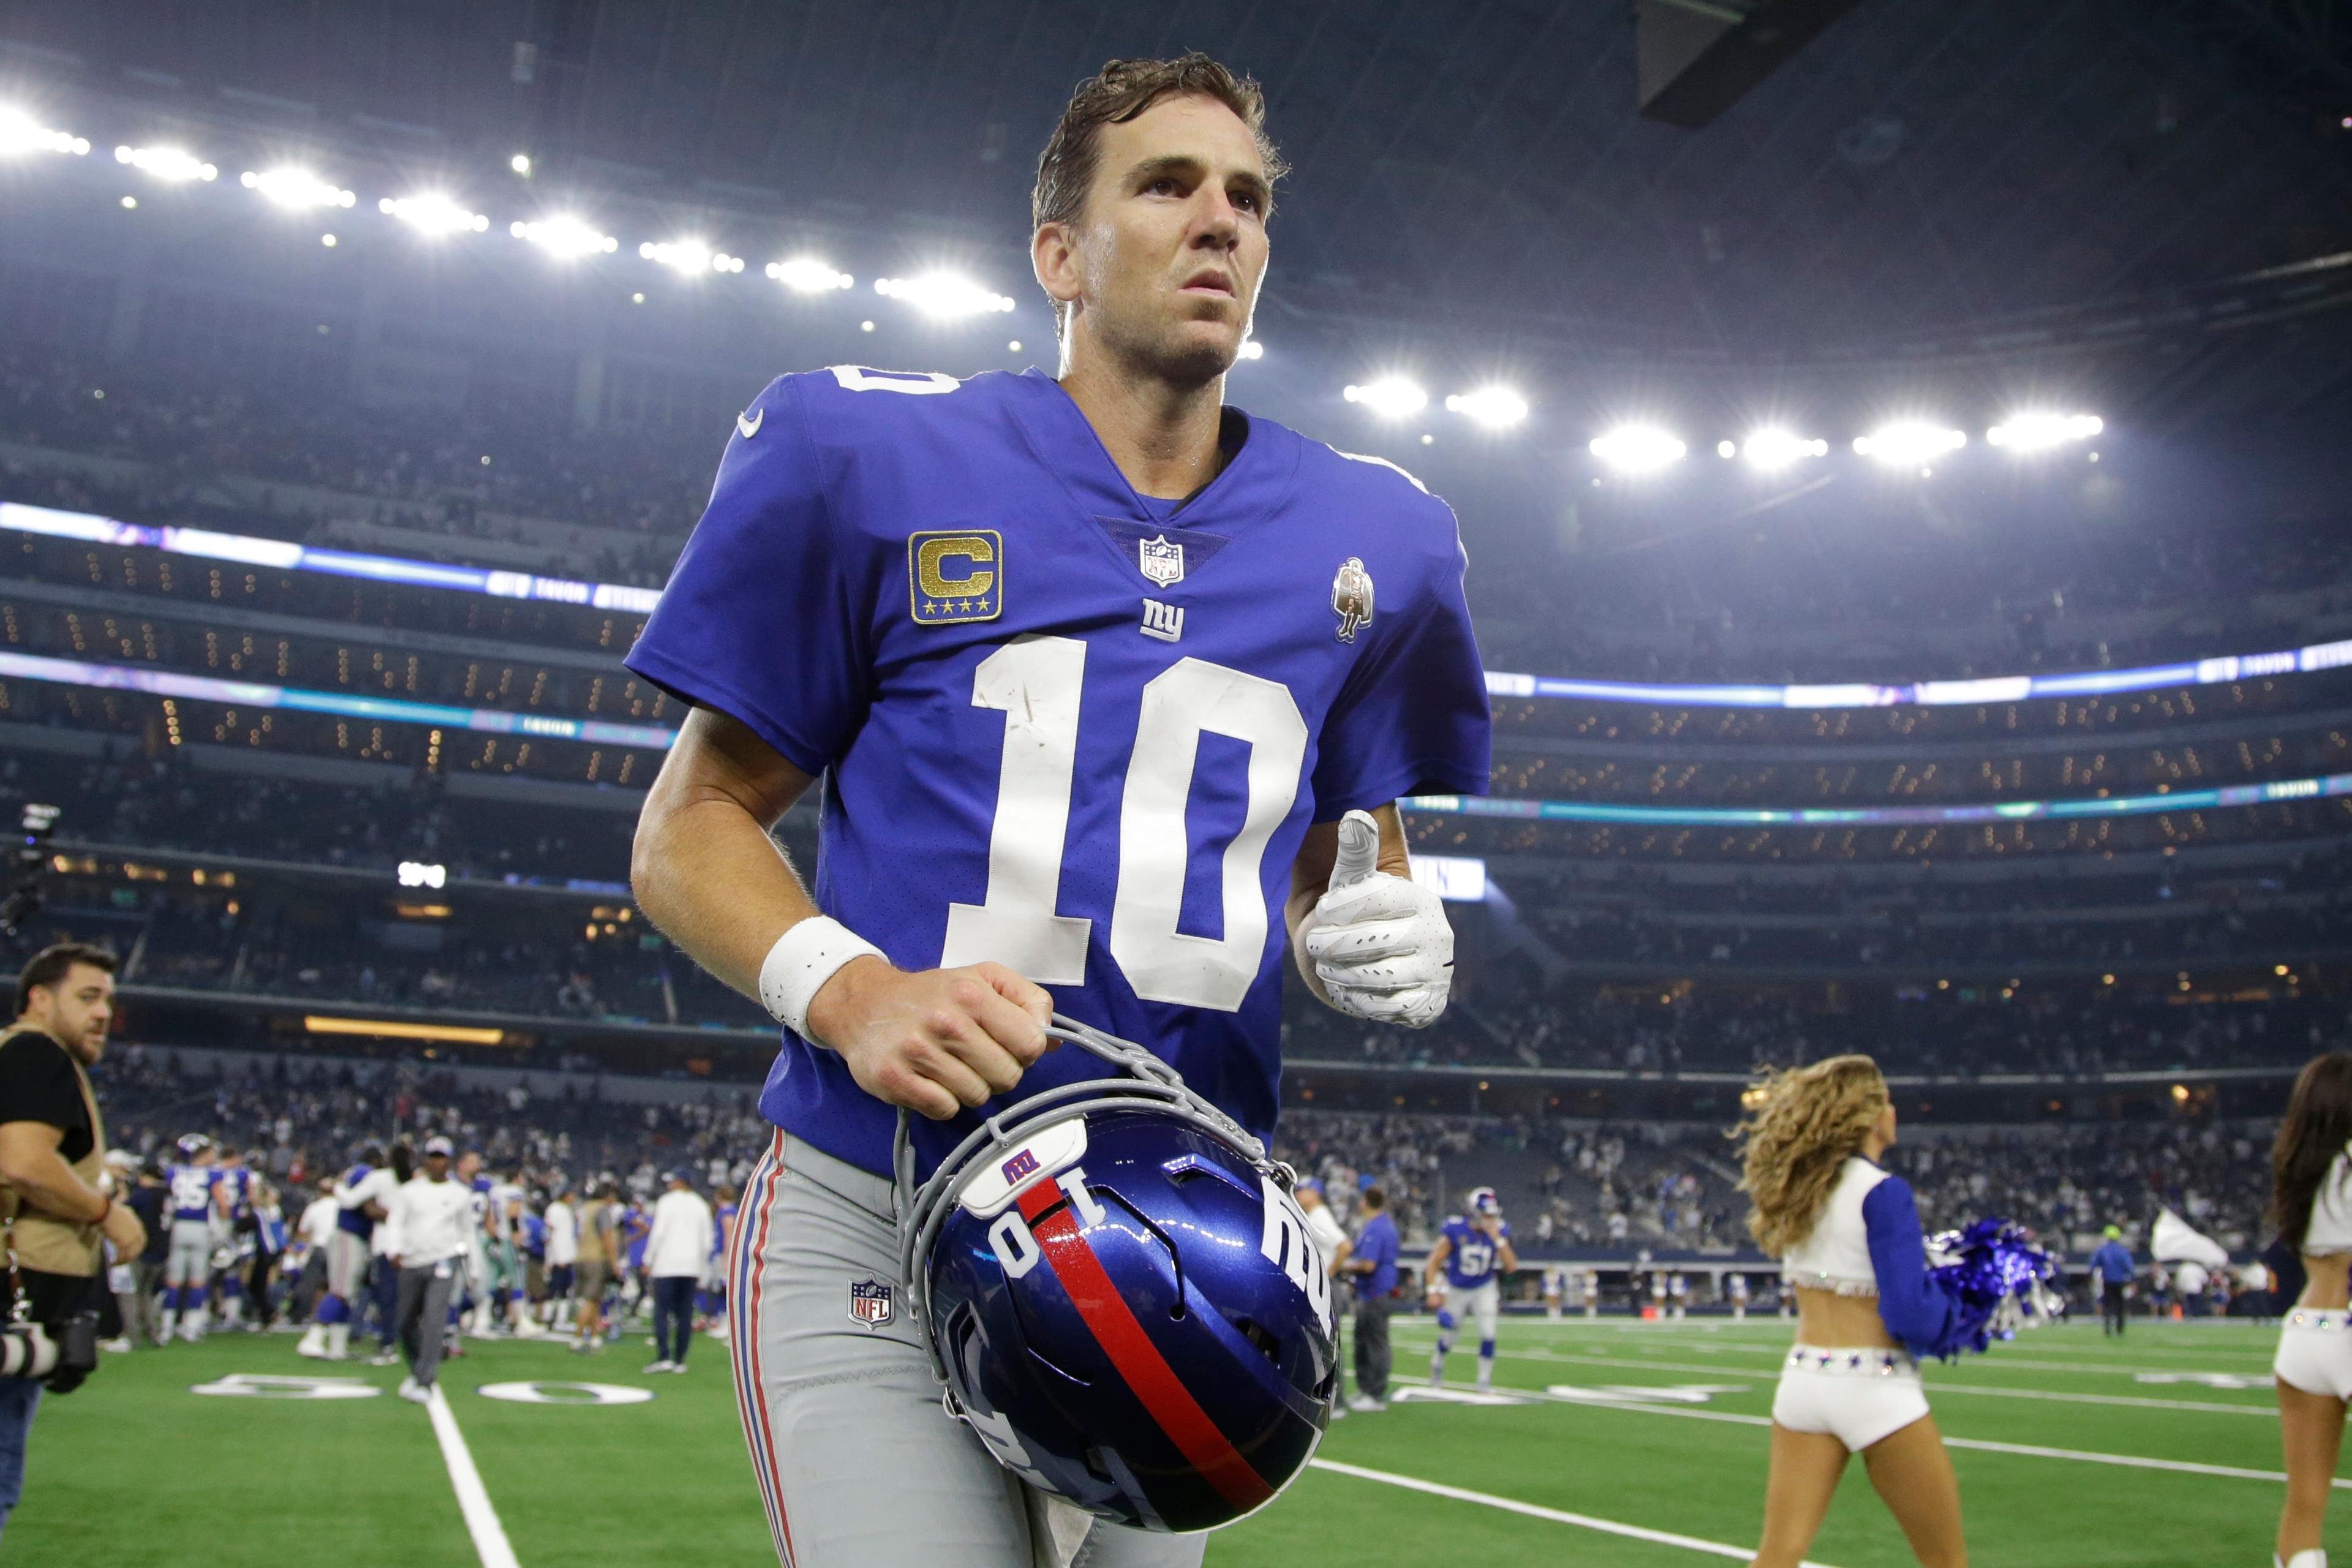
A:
[1659,1429]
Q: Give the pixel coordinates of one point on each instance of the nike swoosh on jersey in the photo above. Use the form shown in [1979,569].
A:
[747,424]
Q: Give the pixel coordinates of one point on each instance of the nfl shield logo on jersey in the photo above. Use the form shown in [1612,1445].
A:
[872,1303]
[1351,597]
[1161,559]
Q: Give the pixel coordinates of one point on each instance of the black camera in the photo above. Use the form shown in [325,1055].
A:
[57,1355]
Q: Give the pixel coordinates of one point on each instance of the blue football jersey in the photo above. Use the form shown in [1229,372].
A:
[1473,1258]
[191,1187]
[1069,728]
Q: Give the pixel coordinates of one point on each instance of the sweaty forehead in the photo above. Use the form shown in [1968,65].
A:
[1189,127]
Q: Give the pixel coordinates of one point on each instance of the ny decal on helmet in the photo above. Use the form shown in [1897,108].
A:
[1118,1294]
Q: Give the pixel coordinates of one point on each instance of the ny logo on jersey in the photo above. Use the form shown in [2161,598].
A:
[1165,622]
[872,1303]
[1162,560]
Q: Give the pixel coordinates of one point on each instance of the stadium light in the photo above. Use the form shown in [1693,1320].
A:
[296,188]
[2039,430]
[434,213]
[1391,397]
[942,295]
[1638,448]
[176,165]
[422,873]
[564,237]
[1251,348]
[1909,442]
[520,165]
[1773,448]
[1495,407]
[807,275]
[21,134]
[690,258]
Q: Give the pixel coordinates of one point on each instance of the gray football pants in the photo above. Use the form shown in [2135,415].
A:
[857,1463]
[422,1314]
[189,1258]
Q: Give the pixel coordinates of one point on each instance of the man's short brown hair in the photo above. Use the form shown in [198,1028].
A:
[1116,94]
[50,965]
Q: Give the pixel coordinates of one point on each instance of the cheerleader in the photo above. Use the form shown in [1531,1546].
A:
[2311,1203]
[1848,1238]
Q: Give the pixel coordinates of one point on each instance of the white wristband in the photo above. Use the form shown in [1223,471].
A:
[802,959]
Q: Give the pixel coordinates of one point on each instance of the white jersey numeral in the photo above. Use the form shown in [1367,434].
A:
[1037,683]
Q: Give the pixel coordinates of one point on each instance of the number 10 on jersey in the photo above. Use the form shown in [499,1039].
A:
[1036,683]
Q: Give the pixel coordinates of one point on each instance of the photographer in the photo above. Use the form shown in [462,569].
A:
[54,1204]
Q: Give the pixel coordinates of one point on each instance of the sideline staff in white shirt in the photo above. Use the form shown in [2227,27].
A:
[678,1250]
[434,1225]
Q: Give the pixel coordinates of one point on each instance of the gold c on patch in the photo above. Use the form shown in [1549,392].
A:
[953,577]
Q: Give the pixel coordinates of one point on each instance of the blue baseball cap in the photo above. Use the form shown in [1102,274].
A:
[1310,1184]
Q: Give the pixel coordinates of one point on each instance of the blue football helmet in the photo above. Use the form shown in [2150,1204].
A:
[193,1144]
[1119,1296]
[1483,1202]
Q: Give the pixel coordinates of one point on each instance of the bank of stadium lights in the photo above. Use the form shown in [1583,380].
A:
[1495,407]
[1909,443]
[1638,448]
[689,257]
[565,237]
[434,213]
[296,189]
[807,275]
[1772,449]
[942,295]
[1391,397]
[20,134]
[2038,431]
[175,164]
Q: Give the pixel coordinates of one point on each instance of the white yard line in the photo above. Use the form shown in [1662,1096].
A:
[481,1519]
[1535,1510]
[2028,1450]
[1938,1386]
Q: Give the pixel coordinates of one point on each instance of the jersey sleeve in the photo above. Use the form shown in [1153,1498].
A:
[765,617]
[1916,1310]
[1413,718]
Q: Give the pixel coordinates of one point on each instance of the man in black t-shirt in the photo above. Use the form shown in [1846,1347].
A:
[53,1192]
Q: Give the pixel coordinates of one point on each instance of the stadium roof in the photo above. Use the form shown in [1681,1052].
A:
[1918,183]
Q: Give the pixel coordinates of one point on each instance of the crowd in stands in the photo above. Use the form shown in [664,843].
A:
[1705,605]
[1568,1188]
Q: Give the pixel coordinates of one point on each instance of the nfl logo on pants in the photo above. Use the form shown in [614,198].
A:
[871,1303]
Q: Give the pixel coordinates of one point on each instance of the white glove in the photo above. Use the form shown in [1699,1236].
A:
[1381,944]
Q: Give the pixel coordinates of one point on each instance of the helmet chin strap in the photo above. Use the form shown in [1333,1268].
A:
[921,1208]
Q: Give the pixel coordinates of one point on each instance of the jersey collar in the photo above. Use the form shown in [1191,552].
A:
[1254,478]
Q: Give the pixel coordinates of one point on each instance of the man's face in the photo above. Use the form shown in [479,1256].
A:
[1170,246]
[438,1166]
[76,1011]
[468,1163]
[1309,1200]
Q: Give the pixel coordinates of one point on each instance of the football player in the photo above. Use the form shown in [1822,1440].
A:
[194,1185]
[1464,1274]
[1109,684]
[362,1197]
[233,1246]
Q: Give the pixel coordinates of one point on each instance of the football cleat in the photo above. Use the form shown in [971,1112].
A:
[1120,1296]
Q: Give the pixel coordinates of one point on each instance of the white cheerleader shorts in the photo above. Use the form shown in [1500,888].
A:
[2314,1352]
[1859,1396]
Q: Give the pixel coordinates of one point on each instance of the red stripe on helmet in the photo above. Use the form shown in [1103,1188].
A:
[1138,1361]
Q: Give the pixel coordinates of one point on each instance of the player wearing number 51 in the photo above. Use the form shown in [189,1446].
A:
[1094,665]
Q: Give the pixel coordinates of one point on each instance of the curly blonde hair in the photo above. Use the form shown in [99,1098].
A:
[1800,1126]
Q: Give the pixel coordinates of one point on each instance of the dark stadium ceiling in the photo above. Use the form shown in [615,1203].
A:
[1924,180]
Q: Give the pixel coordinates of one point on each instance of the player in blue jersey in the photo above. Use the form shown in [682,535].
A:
[232,1234]
[362,1197]
[192,1188]
[1113,687]
[1465,1279]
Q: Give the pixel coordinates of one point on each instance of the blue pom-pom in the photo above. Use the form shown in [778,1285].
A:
[1993,1271]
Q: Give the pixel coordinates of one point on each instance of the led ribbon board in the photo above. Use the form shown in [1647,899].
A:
[250,550]
[1881,815]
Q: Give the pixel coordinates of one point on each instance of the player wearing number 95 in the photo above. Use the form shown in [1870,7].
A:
[1103,677]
